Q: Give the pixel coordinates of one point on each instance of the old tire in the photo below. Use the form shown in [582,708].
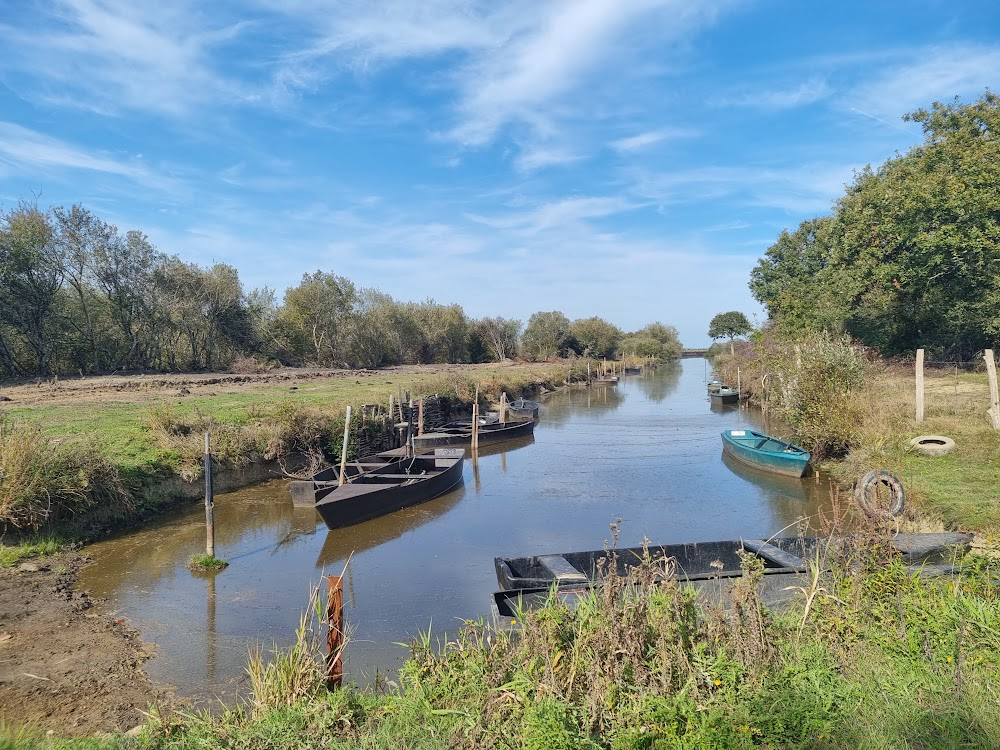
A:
[933,445]
[880,494]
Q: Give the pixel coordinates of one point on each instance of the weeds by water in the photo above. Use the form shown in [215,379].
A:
[207,563]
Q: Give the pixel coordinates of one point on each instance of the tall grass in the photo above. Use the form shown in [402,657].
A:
[42,481]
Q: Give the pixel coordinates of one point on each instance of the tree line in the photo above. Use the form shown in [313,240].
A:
[77,296]
[910,256]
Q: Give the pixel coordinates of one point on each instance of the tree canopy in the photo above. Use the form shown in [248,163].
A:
[910,256]
[729,325]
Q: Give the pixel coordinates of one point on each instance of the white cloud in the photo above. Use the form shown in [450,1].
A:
[807,92]
[644,140]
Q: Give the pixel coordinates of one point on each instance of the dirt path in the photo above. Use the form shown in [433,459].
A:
[62,666]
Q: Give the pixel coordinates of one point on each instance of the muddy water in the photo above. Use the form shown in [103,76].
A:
[647,452]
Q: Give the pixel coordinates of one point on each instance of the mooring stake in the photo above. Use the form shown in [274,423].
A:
[335,631]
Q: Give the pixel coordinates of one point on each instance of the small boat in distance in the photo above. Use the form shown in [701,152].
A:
[714,385]
[725,396]
[765,452]
[612,380]
[523,409]
[385,490]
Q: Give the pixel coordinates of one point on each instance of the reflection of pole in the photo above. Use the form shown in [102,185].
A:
[503,462]
[212,640]
[335,631]
[475,468]
[209,500]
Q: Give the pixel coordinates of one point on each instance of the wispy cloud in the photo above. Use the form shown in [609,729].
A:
[35,151]
[645,140]
[805,93]
[923,76]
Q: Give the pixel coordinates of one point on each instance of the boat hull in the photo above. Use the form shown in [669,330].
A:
[379,493]
[724,396]
[454,434]
[765,452]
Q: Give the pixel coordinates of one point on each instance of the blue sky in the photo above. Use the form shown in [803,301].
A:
[630,159]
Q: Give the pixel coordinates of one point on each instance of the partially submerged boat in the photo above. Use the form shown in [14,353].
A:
[460,433]
[710,568]
[765,452]
[383,490]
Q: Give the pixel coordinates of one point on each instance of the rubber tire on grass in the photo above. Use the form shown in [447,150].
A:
[866,492]
[933,445]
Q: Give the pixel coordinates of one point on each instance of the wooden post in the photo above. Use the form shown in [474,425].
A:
[920,385]
[475,422]
[420,416]
[991,373]
[588,372]
[739,384]
[209,500]
[503,407]
[391,408]
[343,450]
[335,631]
[399,398]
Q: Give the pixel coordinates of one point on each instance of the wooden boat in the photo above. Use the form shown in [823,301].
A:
[523,409]
[460,433]
[390,488]
[633,370]
[765,452]
[725,396]
[708,567]
[306,492]
[714,385]
[612,380]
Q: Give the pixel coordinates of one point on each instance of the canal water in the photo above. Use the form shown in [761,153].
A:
[645,455]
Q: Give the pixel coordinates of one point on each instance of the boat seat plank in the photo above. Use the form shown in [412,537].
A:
[774,554]
[560,568]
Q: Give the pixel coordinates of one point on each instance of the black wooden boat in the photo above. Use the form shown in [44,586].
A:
[724,396]
[460,433]
[702,560]
[384,490]
[523,409]
[710,568]
[633,370]
[307,491]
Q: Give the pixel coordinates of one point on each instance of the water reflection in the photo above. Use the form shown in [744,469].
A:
[647,452]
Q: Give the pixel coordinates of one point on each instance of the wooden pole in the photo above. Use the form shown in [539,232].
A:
[343,449]
[209,500]
[335,631]
[475,422]
[991,372]
[503,407]
[920,385]
[399,398]
[420,416]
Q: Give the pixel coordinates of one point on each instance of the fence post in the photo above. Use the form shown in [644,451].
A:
[991,372]
[920,385]
[209,500]
[335,631]
[343,449]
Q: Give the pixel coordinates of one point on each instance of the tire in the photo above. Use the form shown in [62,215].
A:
[933,445]
[870,492]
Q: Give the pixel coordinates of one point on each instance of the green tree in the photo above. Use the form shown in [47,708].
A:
[666,335]
[595,337]
[546,335]
[729,324]
[313,321]
[499,336]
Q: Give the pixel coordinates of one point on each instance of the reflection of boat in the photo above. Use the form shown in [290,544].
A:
[523,409]
[721,407]
[340,544]
[460,433]
[765,452]
[385,490]
[504,447]
[725,396]
[775,485]
[527,582]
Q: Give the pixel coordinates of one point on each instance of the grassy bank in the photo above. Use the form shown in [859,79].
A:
[870,656]
[91,463]
[857,414]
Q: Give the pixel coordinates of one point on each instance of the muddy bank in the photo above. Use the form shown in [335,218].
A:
[63,666]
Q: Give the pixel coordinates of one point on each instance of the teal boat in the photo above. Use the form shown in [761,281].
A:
[765,452]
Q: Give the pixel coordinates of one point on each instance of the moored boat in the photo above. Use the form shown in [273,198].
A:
[611,380]
[523,409]
[460,433]
[765,452]
[725,396]
[305,492]
[395,486]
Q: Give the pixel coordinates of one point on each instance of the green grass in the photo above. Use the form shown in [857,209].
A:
[11,555]
[207,563]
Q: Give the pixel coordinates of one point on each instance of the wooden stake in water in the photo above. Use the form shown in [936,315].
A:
[343,449]
[475,422]
[209,500]
[335,631]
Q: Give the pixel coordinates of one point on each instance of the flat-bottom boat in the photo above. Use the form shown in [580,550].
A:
[523,409]
[384,490]
[765,452]
[460,433]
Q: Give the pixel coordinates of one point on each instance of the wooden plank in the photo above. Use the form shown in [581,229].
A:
[774,554]
[561,569]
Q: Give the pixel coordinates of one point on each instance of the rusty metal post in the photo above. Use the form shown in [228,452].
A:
[335,631]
